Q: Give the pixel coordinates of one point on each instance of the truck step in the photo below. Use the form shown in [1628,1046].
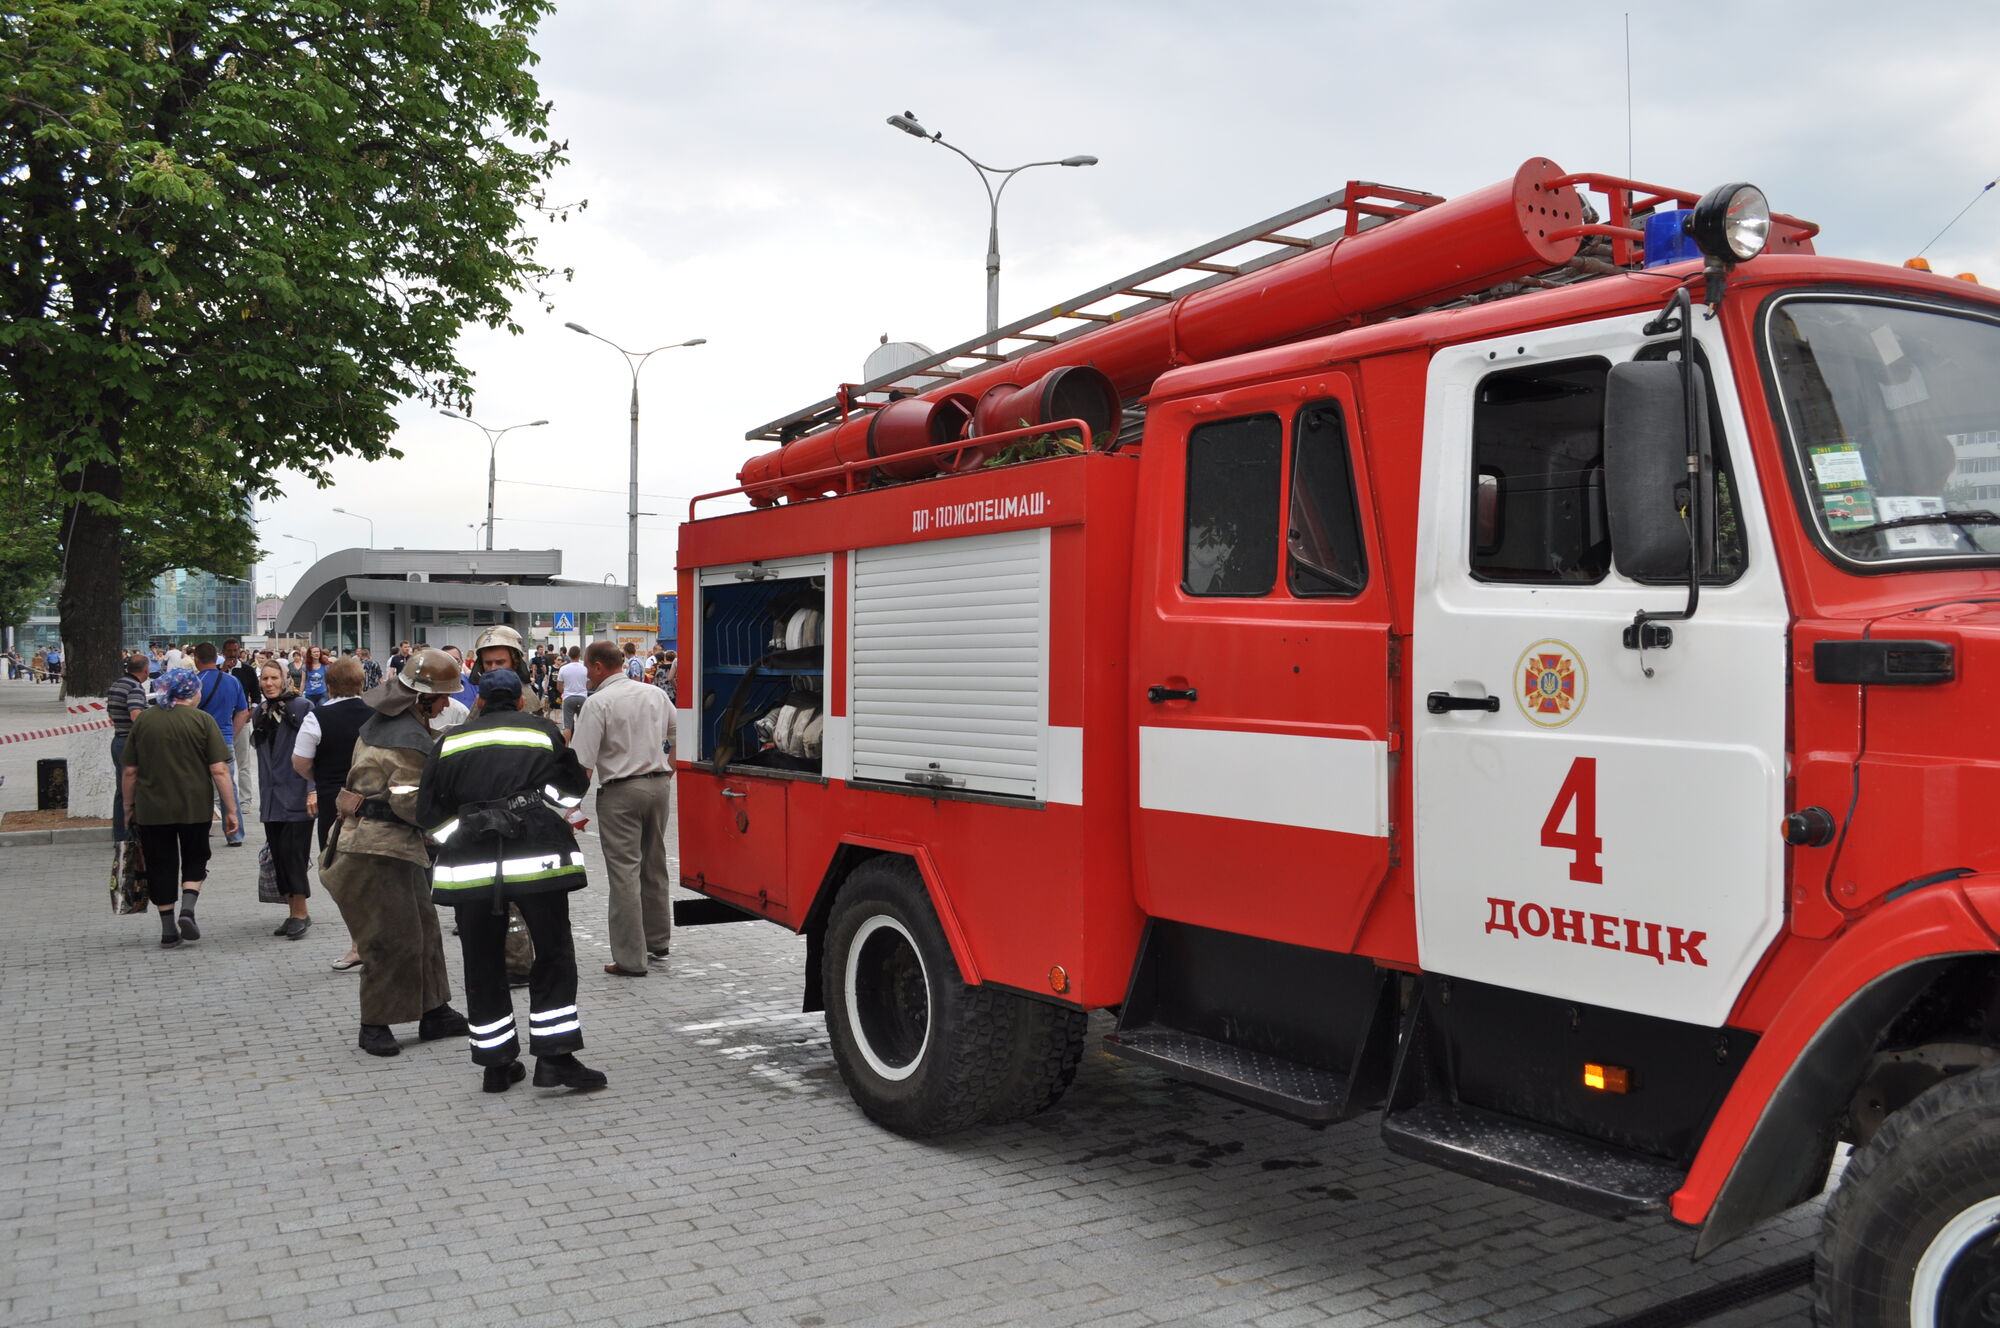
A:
[1549,1164]
[705,912]
[1303,1092]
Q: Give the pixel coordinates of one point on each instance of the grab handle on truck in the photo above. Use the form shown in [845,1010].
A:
[1157,694]
[1440,702]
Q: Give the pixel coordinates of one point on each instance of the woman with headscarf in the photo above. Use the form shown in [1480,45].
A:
[173,755]
[285,797]
[377,866]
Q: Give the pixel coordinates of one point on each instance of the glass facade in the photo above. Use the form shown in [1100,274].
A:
[345,627]
[191,606]
[178,607]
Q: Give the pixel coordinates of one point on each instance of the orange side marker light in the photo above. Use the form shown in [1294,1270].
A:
[1607,1078]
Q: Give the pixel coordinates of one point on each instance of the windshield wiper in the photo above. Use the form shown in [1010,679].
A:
[1930,519]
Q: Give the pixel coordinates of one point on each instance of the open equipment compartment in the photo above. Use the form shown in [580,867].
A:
[763,665]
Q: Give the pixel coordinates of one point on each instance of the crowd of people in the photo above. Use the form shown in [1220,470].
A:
[423,781]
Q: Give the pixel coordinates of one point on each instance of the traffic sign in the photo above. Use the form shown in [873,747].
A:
[565,622]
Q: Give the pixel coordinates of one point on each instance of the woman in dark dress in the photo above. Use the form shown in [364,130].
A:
[325,750]
[285,797]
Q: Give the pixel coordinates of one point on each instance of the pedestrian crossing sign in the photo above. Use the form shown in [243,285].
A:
[565,622]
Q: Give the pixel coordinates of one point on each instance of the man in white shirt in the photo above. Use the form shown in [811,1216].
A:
[621,739]
[575,679]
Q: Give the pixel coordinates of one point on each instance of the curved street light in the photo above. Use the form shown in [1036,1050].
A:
[908,124]
[358,517]
[634,361]
[303,540]
[493,437]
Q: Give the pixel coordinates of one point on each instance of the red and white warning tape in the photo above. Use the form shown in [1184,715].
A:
[57,732]
[93,708]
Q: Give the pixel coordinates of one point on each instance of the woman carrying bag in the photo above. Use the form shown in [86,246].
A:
[286,799]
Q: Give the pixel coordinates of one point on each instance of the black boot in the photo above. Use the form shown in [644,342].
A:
[442,1022]
[566,1071]
[377,1040]
[499,1078]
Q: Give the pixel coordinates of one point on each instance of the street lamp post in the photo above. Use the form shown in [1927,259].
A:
[358,517]
[634,361]
[493,437]
[303,540]
[908,124]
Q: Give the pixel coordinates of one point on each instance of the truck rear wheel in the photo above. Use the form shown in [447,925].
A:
[1042,1058]
[1912,1237]
[922,1052]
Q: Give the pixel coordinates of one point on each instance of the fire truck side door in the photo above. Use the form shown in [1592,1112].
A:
[1260,666]
[1583,830]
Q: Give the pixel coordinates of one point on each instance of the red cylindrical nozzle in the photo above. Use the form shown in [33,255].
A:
[913,423]
[1073,392]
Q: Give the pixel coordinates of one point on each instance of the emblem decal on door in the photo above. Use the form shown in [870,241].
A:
[1550,683]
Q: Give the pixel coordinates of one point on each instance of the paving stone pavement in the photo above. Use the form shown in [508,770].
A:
[191,1137]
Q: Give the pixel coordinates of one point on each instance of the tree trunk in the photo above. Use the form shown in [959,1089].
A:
[92,604]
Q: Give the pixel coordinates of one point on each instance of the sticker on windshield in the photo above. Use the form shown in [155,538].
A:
[1839,466]
[1914,539]
[1848,509]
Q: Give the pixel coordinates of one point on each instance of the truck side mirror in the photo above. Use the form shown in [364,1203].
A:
[1647,441]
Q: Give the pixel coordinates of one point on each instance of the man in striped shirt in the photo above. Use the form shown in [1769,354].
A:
[125,700]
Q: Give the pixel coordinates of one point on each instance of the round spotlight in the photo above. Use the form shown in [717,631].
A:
[1732,222]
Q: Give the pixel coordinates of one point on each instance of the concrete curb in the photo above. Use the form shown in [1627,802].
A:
[89,834]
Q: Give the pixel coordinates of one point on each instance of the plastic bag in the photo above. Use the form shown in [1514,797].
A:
[267,877]
[128,878]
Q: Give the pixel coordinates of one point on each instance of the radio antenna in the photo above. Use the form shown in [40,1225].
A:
[1629,95]
[1983,191]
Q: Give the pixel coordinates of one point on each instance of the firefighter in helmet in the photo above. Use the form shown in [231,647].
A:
[377,867]
[500,648]
[490,794]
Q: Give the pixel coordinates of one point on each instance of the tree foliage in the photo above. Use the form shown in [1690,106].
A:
[232,238]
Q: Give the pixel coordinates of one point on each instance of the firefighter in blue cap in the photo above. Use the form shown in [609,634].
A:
[492,796]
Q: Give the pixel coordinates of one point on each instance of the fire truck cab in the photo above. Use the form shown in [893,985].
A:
[1507,666]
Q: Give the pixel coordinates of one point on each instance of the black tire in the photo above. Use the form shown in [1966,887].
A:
[1919,1200]
[1042,1057]
[922,1053]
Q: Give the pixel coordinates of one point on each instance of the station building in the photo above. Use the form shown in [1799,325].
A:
[373,598]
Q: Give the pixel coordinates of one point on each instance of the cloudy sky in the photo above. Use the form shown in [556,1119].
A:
[744,187]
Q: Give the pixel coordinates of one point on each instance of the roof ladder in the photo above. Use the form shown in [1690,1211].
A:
[1362,206]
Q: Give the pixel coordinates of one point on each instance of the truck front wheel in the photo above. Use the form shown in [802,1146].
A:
[922,1052]
[1912,1237]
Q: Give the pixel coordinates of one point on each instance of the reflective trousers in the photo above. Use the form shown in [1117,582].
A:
[553,1023]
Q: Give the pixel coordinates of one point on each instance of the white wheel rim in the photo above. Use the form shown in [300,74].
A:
[1945,1247]
[882,922]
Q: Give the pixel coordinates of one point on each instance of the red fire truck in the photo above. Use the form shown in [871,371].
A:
[1507,664]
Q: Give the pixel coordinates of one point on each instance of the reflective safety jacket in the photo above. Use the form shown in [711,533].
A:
[489,796]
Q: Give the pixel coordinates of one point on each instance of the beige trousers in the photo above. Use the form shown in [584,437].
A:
[386,904]
[632,827]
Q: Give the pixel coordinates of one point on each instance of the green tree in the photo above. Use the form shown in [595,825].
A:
[232,237]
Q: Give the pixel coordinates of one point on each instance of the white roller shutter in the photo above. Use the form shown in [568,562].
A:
[950,665]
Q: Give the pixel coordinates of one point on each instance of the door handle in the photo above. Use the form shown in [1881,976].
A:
[1440,702]
[734,793]
[1157,694]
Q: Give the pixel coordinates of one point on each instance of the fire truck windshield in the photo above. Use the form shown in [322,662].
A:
[1893,411]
